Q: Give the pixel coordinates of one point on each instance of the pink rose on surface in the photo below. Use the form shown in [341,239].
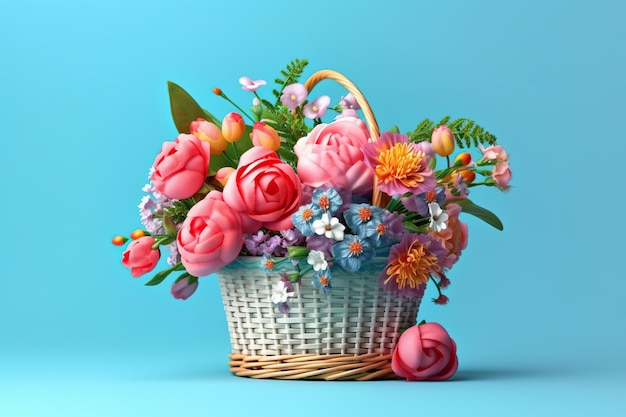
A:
[425,352]
[332,153]
[210,237]
[181,167]
[265,190]
[453,237]
[140,257]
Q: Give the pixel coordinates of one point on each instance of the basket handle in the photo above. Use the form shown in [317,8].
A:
[378,197]
[320,75]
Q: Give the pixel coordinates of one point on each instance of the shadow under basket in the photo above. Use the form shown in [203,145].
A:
[347,335]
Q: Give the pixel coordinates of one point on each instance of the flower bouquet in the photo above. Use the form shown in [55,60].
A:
[323,233]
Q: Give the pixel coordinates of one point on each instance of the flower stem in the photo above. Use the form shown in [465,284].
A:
[225,97]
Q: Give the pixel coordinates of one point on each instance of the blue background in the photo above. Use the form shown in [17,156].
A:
[537,310]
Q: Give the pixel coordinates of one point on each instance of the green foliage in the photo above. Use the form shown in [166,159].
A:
[468,206]
[178,211]
[185,109]
[291,74]
[466,132]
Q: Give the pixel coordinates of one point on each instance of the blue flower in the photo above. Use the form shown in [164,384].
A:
[352,251]
[321,280]
[267,263]
[304,217]
[363,219]
[421,201]
[327,200]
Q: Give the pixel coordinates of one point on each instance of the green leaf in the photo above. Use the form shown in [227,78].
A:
[482,213]
[243,144]
[159,277]
[297,251]
[185,109]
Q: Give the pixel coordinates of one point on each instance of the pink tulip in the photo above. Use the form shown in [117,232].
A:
[233,127]
[210,133]
[181,167]
[264,135]
[140,257]
[210,236]
[425,352]
[443,140]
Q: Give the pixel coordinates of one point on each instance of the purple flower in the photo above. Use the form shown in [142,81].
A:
[320,243]
[294,95]
[419,203]
[460,186]
[249,84]
[349,103]
[183,289]
[316,108]
[393,224]
[347,113]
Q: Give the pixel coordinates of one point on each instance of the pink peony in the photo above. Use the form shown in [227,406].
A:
[265,190]
[453,237]
[210,237]
[180,168]
[140,257]
[332,153]
[425,352]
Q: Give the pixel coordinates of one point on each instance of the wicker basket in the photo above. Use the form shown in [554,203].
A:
[349,334]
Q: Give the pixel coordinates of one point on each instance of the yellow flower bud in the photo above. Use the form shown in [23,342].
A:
[210,133]
[443,140]
[233,127]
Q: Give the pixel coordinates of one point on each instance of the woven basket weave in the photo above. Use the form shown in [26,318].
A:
[349,334]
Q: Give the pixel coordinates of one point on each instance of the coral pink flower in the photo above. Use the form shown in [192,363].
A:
[180,168]
[210,237]
[453,237]
[265,190]
[400,166]
[140,257]
[425,352]
[332,153]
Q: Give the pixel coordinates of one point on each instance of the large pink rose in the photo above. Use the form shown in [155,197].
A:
[425,352]
[265,190]
[140,257]
[210,237]
[453,237]
[332,153]
[181,167]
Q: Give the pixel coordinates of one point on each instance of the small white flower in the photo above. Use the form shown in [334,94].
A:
[438,217]
[316,259]
[329,227]
[280,293]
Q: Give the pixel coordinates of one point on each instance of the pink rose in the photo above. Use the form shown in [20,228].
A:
[210,237]
[140,257]
[181,167]
[332,153]
[425,352]
[453,237]
[265,190]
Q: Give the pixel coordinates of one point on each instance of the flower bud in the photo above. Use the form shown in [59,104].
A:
[443,140]
[184,288]
[223,174]
[468,176]
[463,159]
[233,127]
[210,133]
[217,91]
[137,234]
[119,240]
[266,136]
